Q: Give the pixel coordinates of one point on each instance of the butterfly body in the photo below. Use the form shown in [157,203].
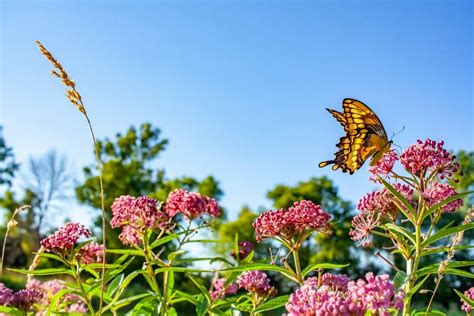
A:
[365,137]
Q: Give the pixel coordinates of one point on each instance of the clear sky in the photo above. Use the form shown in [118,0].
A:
[239,87]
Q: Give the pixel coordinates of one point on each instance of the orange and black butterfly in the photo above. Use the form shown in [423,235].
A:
[365,137]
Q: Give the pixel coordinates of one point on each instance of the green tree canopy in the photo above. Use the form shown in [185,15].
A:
[129,168]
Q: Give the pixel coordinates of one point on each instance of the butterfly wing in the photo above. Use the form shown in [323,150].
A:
[365,137]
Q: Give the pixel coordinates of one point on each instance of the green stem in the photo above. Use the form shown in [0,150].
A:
[148,262]
[296,258]
[81,288]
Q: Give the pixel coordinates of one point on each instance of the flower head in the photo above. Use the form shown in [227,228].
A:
[64,239]
[24,299]
[6,295]
[339,296]
[469,294]
[363,224]
[190,204]
[382,201]
[91,253]
[438,192]
[303,215]
[255,282]
[384,166]
[430,156]
[245,248]
[219,290]
[375,293]
[136,216]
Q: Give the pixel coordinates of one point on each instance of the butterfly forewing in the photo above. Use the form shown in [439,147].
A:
[365,137]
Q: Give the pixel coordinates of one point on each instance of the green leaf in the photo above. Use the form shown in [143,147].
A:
[249,257]
[394,228]
[430,313]
[417,287]
[201,287]
[114,285]
[10,311]
[201,305]
[316,266]
[147,306]
[275,303]
[179,295]
[256,266]
[172,312]
[435,207]
[400,279]
[399,197]
[50,271]
[442,233]
[175,254]
[130,252]
[165,239]
[431,251]
[126,301]
[465,298]
[236,248]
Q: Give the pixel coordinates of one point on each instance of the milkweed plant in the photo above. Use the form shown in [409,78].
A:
[415,194]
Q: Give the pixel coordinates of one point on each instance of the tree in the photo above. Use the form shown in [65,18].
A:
[128,164]
[8,165]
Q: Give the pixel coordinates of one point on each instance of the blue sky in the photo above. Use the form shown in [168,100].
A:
[239,87]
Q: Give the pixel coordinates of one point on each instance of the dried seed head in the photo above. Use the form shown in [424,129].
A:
[73,96]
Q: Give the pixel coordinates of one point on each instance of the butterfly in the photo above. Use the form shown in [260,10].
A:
[365,137]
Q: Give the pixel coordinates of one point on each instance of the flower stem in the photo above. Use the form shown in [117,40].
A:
[77,277]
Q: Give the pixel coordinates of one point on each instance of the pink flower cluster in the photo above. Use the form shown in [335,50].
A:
[384,166]
[301,216]
[382,201]
[256,282]
[469,294]
[24,299]
[430,155]
[245,248]
[91,253]
[375,294]
[136,216]
[63,240]
[218,289]
[190,204]
[6,295]
[438,192]
[49,290]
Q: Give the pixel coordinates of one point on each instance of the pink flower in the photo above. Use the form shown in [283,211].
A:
[307,215]
[63,240]
[78,307]
[91,253]
[24,299]
[335,282]
[49,289]
[218,289]
[439,192]
[384,166]
[470,294]
[271,224]
[190,204]
[363,224]
[6,295]
[255,282]
[303,215]
[245,248]
[382,201]
[375,293]
[429,156]
[136,216]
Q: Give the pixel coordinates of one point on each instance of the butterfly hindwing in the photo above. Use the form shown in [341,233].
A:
[365,137]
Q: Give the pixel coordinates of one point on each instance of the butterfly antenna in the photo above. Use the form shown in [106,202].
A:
[395,134]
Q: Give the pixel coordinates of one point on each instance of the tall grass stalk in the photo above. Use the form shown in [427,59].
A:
[75,98]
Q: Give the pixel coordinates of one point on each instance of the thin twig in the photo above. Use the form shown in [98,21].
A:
[11,223]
